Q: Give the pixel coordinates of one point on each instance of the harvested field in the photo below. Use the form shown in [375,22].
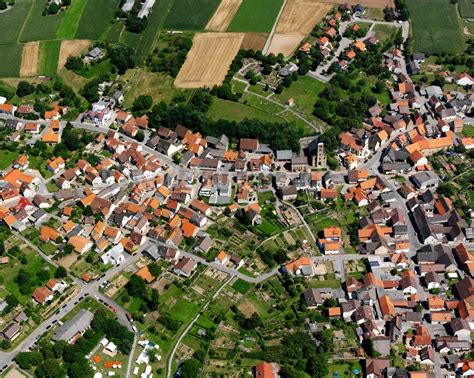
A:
[247,308]
[72,48]
[29,59]
[208,60]
[297,20]
[285,43]
[223,15]
[366,3]
[300,16]
[254,41]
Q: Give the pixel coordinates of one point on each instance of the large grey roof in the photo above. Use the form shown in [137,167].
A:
[79,323]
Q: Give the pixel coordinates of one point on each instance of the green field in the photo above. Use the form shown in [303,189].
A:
[10,60]
[242,286]
[48,57]
[68,26]
[235,111]
[256,16]
[436,26]
[39,27]
[190,14]
[12,21]
[7,158]
[466,8]
[96,19]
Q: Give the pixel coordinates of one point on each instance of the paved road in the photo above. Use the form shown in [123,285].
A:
[412,234]
[345,43]
[90,289]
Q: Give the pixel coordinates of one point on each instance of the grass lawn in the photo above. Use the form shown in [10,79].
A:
[305,92]
[261,103]
[466,8]
[48,57]
[242,286]
[268,227]
[8,273]
[7,158]
[344,370]
[331,283]
[11,60]
[39,27]
[95,70]
[374,14]
[235,111]
[238,86]
[68,26]
[256,16]
[138,82]
[135,304]
[12,21]
[468,131]
[291,117]
[72,79]
[265,196]
[436,26]
[96,18]
[114,32]
[384,32]
[52,187]
[183,310]
[190,14]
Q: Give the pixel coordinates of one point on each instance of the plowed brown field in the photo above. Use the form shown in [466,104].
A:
[29,59]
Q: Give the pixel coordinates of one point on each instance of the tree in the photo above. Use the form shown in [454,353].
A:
[80,369]
[142,103]
[379,86]
[43,275]
[53,8]
[267,69]
[279,89]
[24,280]
[154,269]
[61,272]
[52,369]
[140,136]
[3,5]
[136,286]
[58,348]
[154,300]
[23,360]
[5,344]
[287,81]
[190,368]
[134,24]
[24,89]
[12,301]
[74,63]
